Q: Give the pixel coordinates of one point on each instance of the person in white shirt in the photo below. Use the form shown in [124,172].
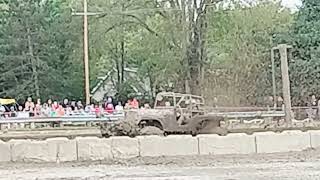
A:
[119,107]
[2,110]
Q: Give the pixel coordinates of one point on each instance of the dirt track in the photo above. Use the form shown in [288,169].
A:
[302,165]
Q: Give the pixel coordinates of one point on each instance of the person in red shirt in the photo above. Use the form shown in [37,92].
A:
[97,111]
[55,105]
[109,109]
[134,104]
[60,111]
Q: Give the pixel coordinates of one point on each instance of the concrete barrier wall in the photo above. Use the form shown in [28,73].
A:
[66,150]
[124,147]
[270,142]
[230,144]
[5,152]
[93,148]
[30,150]
[315,139]
[168,146]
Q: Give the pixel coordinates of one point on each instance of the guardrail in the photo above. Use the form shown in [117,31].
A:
[257,114]
[114,117]
[255,108]
[71,119]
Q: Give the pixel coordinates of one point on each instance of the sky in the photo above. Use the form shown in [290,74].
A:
[291,3]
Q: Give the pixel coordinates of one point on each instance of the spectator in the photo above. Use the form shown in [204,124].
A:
[97,111]
[87,109]
[73,105]
[38,102]
[108,101]
[37,110]
[134,104]
[109,109]
[101,108]
[55,106]
[92,108]
[21,113]
[69,111]
[60,111]
[20,108]
[65,103]
[45,110]
[76,110]
[53,113]
[29,105]
[13,112]
[81,109]
[119,107]
[79,105]
[127,106]
[31,111]
[49,103]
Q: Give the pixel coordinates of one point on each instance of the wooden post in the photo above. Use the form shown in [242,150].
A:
[274,87]
[86,51]
[283,48]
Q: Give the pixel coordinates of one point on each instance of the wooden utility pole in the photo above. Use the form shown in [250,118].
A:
[283,49]
[274,87]
[85,15]
[86,51]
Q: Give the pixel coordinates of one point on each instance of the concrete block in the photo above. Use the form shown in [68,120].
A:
[124,147]
[33,151]
[5,155]
[93,149]
[168,146]
[66,149]
[314,139]
[231,144]
[287,141]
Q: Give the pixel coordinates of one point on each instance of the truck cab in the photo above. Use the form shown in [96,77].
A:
[174,113]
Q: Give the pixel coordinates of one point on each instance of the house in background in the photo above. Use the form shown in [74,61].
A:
[107,85]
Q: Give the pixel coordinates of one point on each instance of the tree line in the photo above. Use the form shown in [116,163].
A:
[217,49]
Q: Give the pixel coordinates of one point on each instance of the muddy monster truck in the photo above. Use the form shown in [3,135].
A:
[174,113]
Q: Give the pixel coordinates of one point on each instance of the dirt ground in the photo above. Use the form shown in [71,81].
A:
[295,165]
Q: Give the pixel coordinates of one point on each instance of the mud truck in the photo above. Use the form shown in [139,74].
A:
[173,113]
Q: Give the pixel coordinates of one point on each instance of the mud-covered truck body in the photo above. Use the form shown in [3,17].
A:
[176,113]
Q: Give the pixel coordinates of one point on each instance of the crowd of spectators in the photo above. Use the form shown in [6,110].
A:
[66,108]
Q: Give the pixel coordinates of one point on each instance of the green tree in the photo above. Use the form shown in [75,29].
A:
[37,42]
[304,69]
[239,42]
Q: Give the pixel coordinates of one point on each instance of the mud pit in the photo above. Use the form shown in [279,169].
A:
[295,165]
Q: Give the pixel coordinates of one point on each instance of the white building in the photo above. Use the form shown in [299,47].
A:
[107,84]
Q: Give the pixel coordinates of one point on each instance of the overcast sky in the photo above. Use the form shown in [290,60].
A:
[291,3]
